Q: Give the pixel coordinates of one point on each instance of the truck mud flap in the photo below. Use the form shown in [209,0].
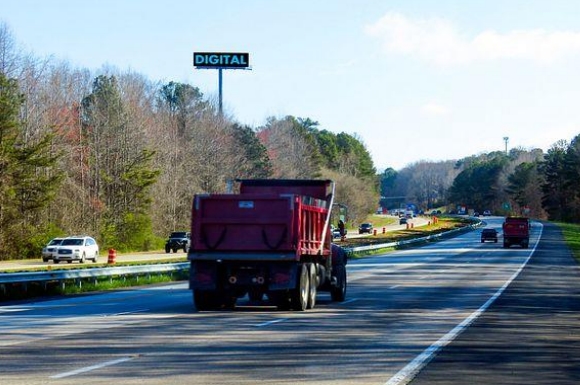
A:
[203,275]
[283,277]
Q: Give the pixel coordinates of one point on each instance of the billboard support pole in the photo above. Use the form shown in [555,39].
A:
[220,84]
[221,61]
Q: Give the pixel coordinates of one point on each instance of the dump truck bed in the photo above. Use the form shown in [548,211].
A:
[262,222]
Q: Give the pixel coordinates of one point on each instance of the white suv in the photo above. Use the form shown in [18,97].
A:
[49,251]
[78,248]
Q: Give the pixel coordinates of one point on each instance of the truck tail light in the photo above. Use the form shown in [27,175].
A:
[281,278]
[203,278]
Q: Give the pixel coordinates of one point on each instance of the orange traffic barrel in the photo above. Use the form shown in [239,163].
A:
[112,256]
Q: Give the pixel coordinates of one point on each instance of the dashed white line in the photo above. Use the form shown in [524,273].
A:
[271,322]
[405,375]
[349,301]
[93,367]
[123,313]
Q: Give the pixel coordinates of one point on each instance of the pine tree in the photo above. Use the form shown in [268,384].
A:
[28,176]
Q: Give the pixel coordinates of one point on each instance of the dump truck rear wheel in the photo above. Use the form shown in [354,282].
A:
[338,292]
[299,296]
[313,283]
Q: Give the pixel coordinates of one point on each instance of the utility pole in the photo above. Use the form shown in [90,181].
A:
[505,139]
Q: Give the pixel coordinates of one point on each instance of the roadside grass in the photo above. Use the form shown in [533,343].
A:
[89,265]
[15,292]
[443,224]
[112,283]
[377,220]
[571,233]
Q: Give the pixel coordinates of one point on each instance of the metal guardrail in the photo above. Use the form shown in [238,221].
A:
[76,274]
[70,274]
[414,240]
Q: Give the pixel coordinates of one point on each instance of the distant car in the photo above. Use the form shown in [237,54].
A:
[178,240]
[403,221]
[49,250]
[489,235]
[486,213]
[365,228]
[77,248]
[476,214]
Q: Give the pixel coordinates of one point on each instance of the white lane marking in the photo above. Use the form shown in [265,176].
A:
[405,375]
[394,286]
[122,313]
[13,309]
[349,301]
[93,367]
[271,322]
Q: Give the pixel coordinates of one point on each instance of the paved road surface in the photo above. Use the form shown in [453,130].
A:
[530,335]
[397,306]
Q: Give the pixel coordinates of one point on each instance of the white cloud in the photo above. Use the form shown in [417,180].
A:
[438,41]
[433,108]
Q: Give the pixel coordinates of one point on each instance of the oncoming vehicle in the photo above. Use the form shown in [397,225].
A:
[49,250]
[365,228]
[178,240]
[489,235]
[77,248]
[403,221]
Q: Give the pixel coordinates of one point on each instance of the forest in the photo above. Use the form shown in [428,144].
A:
[517,182]
[119,157]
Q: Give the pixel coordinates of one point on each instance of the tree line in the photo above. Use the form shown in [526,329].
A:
[117,156]
[519,182]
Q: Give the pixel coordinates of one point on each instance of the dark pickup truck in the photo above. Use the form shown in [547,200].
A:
[178,240]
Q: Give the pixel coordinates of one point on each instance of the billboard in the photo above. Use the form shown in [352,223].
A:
[221,59]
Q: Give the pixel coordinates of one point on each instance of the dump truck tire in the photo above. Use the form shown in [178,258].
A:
[299,296]
[313,284]
[338,292]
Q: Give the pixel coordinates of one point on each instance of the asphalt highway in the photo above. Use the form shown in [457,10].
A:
[404,310]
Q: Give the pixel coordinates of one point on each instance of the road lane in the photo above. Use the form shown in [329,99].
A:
[398,305]
[530,335]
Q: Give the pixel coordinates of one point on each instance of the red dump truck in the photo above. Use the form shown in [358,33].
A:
[271,241]
[516,230]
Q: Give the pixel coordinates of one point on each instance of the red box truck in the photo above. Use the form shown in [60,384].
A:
[516,230]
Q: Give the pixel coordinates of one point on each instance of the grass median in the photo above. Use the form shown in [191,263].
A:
[571,233]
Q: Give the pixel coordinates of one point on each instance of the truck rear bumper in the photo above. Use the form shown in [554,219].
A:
[241,256]
[211,275]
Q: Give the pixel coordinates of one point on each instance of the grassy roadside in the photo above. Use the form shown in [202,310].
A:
[442,225]
[571,234]
[13,292]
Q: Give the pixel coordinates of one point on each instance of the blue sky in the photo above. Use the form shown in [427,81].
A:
[413,79]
